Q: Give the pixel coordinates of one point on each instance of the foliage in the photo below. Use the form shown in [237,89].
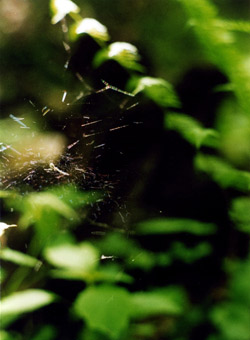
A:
[141,280]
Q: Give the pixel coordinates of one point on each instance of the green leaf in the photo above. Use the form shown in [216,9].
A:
[188,255]
[166,301]
[232,320]
[124,53]
[191,130]
[157,89]
[240,213]
[47,332]
[233,25]
[60,8]
[223,173]
[105,308]
[219,44]
[92,27]
[6,335]
[35,204]
[174,225]
[17,257]
[83,257]
[16,304]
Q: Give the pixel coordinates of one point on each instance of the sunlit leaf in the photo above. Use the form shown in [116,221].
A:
[169,301]
[29,300]
[157,89]
[234,25]
[105,274]
[19,258]
[104,308]
[4,226]
[223,173]
[124,53]
[174,225]
[60,8]
[83,257]
[191,130]
[92,27]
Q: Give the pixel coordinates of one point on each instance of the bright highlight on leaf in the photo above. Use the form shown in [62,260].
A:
[174,225]
[157,89]
[4,226]
[60,8]
[124,53]
[83,257]
[191,130]
[92,27]
[26,301]
[19,258]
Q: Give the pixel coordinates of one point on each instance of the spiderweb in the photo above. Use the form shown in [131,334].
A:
[70,147]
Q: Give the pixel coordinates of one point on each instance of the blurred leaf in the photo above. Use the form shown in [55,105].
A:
[47,332]
[233,126]
[4,226]
[92,27]
[157,89]
[191,130]
[124,53]
[74,197]
[36,203]
[232,25]
[174,225]
[83,257]
[16,304]
[218,42]
[105,274]
[240,282]
[179,251]
[117,245]
[223,173]
[104,308]
[169,301]
[17,257]
[60,8]
[7,336]
[232,320]
[240,213]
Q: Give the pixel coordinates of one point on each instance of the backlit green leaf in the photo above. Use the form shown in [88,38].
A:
[104,308]
[19,258]
[60,8]
[191,130]
[16,304]
[157,89]
[240,213]
[83,257]
[174,225]
[92,27]
[169,301]
[124,53]
[223,173]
